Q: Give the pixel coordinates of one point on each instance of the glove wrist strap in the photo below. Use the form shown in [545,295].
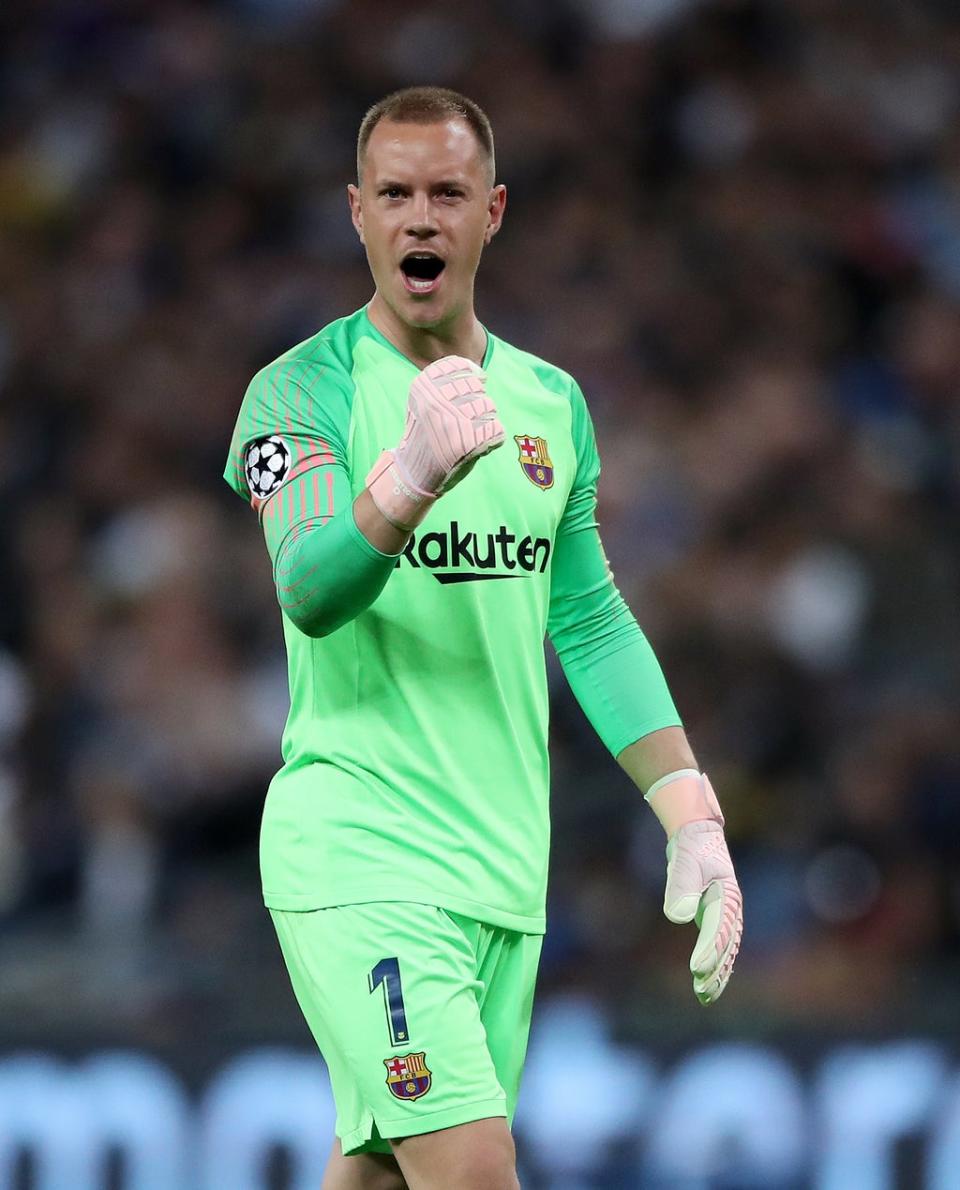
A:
[397,497]
[681,797]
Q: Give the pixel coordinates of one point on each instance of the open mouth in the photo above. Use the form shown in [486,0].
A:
[421,271]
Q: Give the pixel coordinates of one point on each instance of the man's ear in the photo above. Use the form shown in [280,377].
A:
[356,210]
[495,210]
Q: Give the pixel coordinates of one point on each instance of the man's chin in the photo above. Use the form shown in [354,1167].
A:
[423,322]
[422,313]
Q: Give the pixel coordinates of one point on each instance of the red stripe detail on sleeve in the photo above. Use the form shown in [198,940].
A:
[288,420]
[299,405]
[319,457]
[293,586]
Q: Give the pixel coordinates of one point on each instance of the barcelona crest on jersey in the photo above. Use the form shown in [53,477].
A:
[535,460]
[408,1077]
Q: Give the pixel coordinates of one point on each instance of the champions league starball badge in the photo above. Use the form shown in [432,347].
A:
[266,465]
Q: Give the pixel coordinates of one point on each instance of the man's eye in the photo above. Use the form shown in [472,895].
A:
[391,192]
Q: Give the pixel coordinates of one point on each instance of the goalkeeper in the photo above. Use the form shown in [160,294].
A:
[428,496]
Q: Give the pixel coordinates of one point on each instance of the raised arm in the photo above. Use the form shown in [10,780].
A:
[331,554]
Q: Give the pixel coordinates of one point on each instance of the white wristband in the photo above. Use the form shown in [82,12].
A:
[399,500]
[683,796]
[674,776]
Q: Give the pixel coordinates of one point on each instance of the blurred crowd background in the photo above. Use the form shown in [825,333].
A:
[738,225]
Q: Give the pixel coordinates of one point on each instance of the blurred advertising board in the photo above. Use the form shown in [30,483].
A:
[594,1113]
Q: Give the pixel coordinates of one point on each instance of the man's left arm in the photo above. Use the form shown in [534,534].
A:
[618,682]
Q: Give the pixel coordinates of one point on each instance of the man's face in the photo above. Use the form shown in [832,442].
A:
[424,211]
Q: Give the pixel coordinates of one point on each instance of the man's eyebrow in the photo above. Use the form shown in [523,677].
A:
[441,183]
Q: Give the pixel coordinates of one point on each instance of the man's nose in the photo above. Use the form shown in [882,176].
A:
[422,221]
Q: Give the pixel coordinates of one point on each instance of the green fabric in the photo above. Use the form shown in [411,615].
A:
[463,1000]
[606,658]
[325,578]
[415,752]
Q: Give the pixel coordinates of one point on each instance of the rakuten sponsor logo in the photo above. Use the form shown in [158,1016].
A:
[455,556]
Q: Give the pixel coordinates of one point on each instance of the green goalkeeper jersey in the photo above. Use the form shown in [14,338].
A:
[415,760]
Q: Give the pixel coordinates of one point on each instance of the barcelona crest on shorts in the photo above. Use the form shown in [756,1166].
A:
[408,1077]
[535,460]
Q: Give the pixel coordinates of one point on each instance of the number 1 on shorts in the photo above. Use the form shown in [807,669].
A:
[387,972]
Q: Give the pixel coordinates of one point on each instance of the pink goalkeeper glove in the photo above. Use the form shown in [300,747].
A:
[701,883]
[451,422]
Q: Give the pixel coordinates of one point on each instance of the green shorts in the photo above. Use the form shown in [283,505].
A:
[421,1015]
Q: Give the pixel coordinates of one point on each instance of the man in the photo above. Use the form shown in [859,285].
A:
[404,841]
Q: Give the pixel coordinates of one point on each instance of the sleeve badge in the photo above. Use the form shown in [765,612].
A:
[266,464]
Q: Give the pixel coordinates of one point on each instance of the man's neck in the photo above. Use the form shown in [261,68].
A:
[422,345]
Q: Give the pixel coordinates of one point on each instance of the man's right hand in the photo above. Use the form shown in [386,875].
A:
[451,422]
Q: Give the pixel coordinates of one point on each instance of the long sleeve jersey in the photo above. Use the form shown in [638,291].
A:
[415,762]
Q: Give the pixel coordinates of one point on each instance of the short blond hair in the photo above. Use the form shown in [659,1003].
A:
[427,105]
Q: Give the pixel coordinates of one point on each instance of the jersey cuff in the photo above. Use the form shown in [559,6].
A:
[635,734]
[354,531]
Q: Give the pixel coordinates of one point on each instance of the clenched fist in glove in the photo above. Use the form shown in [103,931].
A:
[451,422]
[701,883]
